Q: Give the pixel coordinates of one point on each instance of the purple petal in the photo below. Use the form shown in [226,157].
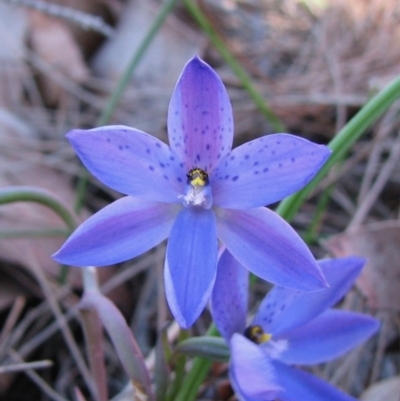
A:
[191,264]
[284,309]
[269,247]
[266,170]
[122,230]
[229,296]
[302,386]
[327,337]
[251,372]
[131,162]
[200,123]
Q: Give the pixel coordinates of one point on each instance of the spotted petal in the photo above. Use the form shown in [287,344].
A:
[330,335]
[200,123]
[269,247]
[122,230]
[266,170]
[299,385]
[131,162]
[252,375]
[229,296]
[191,264]
[284,309]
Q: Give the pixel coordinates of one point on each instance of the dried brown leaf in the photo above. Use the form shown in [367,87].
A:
[52,40]
[379,243]
[384,390]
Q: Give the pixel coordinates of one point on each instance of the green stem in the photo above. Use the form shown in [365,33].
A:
[49,232]
[37,195]
[342,142]
[197,374]
[240,72]
[120,88]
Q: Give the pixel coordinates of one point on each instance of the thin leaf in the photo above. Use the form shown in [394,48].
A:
[123,341]
[214,348]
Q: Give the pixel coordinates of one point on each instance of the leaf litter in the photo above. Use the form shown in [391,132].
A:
[315,65]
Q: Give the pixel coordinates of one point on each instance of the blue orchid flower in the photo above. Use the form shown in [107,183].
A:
[194,191]
[290,328]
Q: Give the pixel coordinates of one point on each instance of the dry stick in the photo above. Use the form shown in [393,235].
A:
[333,67]
[65,330]
[378,185]
[20,367]
[114,282]
[384,130]
[85,20]
[78,396]
[349,361]
[382,342]
[12,318]
[66,83]
[37,379]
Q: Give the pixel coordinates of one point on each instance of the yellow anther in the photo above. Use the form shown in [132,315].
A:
[257,334]
[197,177]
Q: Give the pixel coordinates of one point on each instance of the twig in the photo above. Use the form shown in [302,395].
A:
[378,185]
[12,318]
[62,323]
[37,379]
[84,20]
[18,367]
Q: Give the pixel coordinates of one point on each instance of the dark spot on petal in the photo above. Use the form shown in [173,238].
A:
[256,163]
[158,145]
[179,179]
[162,165]
[292,159]
[265,170]
[235,178]
[151,168]
[108,140]
[120,147]
[165,177]
[208,146]
[280,164]
[247,157]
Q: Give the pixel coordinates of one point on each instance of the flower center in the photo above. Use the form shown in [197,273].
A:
[198,190]
[197,177]
[274,348]
[257,334]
